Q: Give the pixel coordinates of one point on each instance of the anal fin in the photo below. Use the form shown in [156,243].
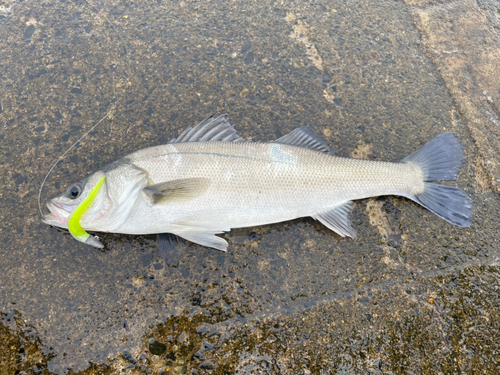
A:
[337,220]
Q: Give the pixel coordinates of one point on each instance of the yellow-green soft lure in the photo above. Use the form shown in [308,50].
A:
[74,226]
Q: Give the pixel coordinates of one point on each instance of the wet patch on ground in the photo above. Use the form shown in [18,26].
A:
[369,331]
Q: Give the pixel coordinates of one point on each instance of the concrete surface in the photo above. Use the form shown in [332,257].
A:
[412,294]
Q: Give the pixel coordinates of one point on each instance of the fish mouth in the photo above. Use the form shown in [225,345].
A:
[59,214]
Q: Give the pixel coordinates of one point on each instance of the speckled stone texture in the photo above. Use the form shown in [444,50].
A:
[412,294]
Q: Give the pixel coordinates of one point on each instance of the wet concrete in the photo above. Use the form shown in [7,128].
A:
[462,39]
[411,294]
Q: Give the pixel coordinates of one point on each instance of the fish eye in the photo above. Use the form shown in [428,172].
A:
[74,190]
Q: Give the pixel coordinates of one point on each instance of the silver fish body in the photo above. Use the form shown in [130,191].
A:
[259,183]
[210,180]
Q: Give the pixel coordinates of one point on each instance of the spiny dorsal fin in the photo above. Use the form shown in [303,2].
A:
[177,190]
[307,138]
[210,130]
[338,220]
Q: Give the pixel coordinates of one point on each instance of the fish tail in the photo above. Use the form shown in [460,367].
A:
[440,159]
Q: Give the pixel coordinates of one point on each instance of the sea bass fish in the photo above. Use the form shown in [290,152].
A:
[210,180]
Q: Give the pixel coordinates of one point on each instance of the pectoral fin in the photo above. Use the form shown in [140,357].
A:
[177,190]
[337,220]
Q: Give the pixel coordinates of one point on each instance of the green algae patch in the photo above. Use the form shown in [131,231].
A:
[22,351]
[200,343]
[445,323]
[20,347]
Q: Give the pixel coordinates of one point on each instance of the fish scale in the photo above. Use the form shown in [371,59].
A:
[300,181]
[269,183]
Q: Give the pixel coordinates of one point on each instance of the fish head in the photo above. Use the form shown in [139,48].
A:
[64,205]
[112,203]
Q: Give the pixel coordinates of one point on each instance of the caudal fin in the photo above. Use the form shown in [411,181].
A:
[441,159]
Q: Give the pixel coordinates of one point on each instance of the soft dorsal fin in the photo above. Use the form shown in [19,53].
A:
[338,220]
[307,138]
[210,130]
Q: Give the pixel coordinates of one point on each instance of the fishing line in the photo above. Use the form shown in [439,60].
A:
[63,155]
[127,73]
[127,66]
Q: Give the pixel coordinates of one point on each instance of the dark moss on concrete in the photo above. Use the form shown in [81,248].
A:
[20,347]
[442,324]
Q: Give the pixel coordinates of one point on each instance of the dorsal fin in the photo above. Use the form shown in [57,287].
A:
[210,130]
[307,138]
